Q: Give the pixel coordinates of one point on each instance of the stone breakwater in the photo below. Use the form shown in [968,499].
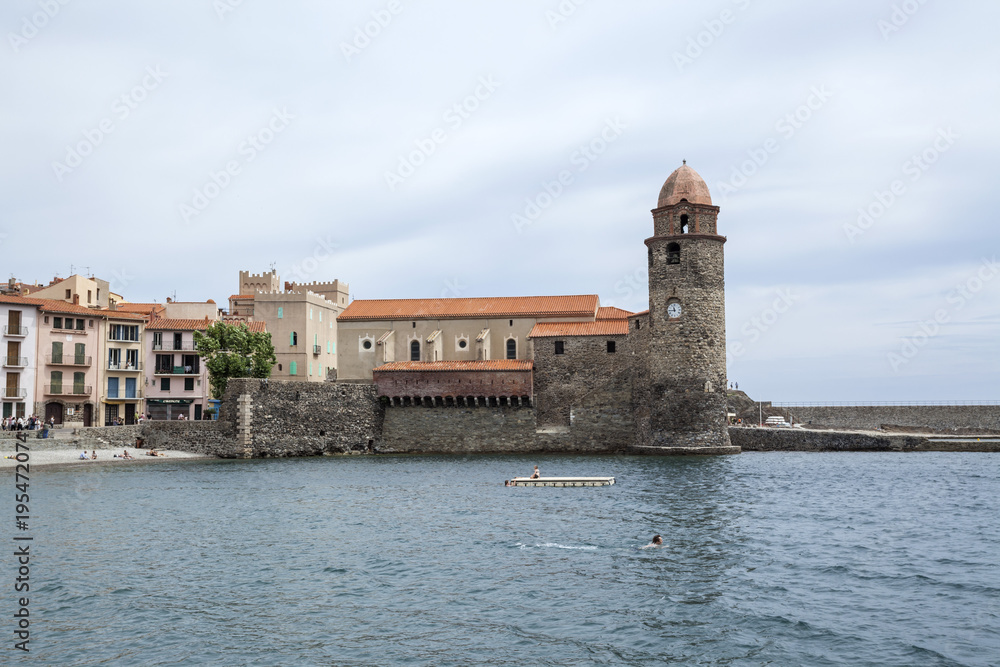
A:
[803,440]
[261,419]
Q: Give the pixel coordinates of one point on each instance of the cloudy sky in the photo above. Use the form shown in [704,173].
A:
[415,149]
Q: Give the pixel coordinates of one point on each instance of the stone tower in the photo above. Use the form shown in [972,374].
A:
[681,404]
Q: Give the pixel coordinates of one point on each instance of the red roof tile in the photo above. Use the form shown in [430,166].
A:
[566,329]
[179,325]
[483,307]
[469,366]
[144,308]
[612,313]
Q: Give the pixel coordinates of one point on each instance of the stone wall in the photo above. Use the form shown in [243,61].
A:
[583,397]
[283,418]
[458,430]
[930,418]
[803,440]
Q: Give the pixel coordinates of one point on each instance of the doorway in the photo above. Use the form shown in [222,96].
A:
[54,411]
[88,414]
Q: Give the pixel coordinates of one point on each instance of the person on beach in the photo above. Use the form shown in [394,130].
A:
[93,455]
[83,455]
[657,542]
[126,455]
[536,474]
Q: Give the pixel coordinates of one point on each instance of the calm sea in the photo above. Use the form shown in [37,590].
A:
[779,559]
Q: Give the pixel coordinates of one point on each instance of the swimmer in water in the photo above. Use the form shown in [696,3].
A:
[657,542]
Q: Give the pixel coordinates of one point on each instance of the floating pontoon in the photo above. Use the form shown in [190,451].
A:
[563,481]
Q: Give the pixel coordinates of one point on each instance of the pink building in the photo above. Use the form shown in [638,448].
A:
[177,384]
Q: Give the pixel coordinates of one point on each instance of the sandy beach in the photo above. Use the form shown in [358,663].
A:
[104,456]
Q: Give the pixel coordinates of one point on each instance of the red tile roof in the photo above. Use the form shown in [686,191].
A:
[56,306]
[144,308]
[483,307]
[179,325]
[612,313]
[471,366]
[201,325]
[566,329]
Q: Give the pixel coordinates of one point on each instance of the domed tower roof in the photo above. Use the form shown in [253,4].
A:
[685,183]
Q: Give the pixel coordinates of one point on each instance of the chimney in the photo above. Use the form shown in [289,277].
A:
[76,299]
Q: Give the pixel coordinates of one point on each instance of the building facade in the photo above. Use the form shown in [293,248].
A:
[20,334]
[303,327]
[376,332]
[176,381]
[121,381]
[69,338]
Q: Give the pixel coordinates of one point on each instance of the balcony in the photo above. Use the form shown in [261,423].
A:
[15,362]
[169,346]
[14,393]
[68,360]
[120,397]
[317,350]
[9,330]
[179,370]
[125,368]
[67,390]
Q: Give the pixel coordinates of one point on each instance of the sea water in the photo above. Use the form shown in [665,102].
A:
[779,558]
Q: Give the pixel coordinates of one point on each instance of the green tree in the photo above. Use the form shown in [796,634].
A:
[233,351]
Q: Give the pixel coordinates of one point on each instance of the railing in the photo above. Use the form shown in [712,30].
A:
[178,370]
[125,367]
[14,392]
[8,330]
[317,349]
[877,404]
[15,361]
[67,390]
[68,360]
[169,346]
[119,397]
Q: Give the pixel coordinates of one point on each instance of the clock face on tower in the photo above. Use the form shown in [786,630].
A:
[674,310]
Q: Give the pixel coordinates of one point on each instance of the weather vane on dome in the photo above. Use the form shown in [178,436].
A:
[684,161]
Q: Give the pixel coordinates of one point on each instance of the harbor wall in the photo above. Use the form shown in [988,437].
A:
[930,418]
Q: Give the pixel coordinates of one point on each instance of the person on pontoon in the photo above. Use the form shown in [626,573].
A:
[536,474]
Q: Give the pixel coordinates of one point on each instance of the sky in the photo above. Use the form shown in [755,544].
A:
[439,149]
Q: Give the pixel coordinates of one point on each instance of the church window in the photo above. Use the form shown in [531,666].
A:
[511,348]
[560,347]
[674,253]
[611,347]
[367,345]
[684,224]
[293,339]
[463,343]
[415,351]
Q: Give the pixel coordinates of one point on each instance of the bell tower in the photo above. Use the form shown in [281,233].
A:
[684,379]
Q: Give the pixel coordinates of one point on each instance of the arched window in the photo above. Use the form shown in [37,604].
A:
[415,351]
[684,224]
[511,348]
[673,253]
[293,339]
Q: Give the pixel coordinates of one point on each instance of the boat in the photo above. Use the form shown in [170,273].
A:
[562,481]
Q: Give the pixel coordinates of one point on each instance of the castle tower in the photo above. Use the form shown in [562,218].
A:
[685,341]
